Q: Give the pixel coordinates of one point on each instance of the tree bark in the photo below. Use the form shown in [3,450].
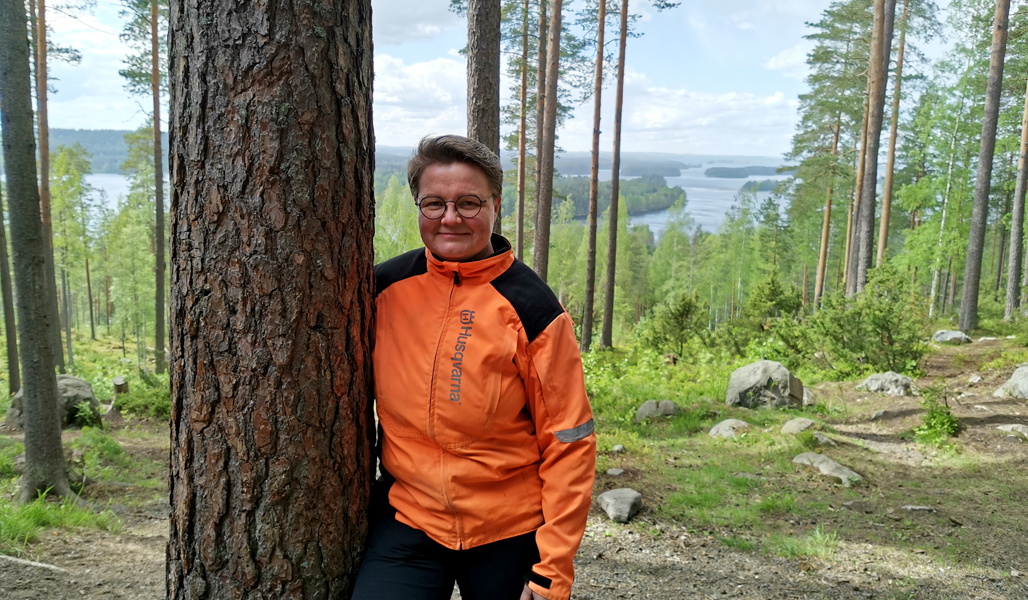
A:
[89,293]
[890,165]
[881,50]
[851,248]
[1014,265]
[10,325]
[826,226]
[158,172]
[44,459]
[66,294]
[540,106]
[607,334]
[272,171]
[484,76]
[544,186]
[519,231]
[983,179]
[1001,234]
[594,184]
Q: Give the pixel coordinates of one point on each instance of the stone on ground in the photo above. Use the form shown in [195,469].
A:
[764,383]
[823,439]
[987,339]
[620,504]
[615,472]
[890,384]
[877,415]
[1016,386]
[1015,428]
[652,408]
[809,398]
[974,379]
[858,506]
[798,425]
[828,467]
[71,391]
[728,428]
[617,449]
[946,336]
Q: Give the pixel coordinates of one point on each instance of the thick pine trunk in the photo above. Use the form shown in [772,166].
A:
[983,178]
[484,75]
[544,202]
[1001,234]
[158,172]
[826,226]
[890,164]
[44,459]
[1014,267]
[272,213]
[881,50]
[10,327]
[519,231]
[607,333]
[594,184]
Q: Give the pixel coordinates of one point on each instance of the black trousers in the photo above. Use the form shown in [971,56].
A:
[403,563]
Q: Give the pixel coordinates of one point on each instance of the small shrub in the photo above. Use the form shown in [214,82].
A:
[7,454]
[86,415]
[939,424]
[777,503]
[20,523]
[818,543]
[148,398]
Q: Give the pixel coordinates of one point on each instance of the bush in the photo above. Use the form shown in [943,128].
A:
[150,398]
[939,424]
[674,323]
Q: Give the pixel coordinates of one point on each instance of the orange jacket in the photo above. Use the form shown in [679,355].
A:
[481,397]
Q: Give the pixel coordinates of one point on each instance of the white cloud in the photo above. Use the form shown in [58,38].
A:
[792,61]
[741,21]
[414,100]
[398,21]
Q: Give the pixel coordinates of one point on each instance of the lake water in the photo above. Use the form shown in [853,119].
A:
[708,198]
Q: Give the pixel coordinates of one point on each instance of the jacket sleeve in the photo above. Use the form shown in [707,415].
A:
[567,443]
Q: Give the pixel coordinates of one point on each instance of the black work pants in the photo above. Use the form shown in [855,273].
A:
[403,563]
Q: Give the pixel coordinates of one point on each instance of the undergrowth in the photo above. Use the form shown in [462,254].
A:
[21,524]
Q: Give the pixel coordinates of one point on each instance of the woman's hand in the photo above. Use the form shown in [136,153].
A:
[528,594]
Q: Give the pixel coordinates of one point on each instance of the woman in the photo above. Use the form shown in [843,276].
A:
[487,445]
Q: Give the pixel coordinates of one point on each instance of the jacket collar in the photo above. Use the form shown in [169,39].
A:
[486,269]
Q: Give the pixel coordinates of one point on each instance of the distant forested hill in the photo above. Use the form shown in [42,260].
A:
[739,172]
[106,146]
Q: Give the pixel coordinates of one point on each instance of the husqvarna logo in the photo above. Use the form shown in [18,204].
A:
[467,319]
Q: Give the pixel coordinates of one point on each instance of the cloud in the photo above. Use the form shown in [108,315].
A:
[398,21]
[741,21]
[417,99]
[792,61]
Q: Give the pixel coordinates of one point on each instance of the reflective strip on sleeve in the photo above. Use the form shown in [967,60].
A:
[576,433]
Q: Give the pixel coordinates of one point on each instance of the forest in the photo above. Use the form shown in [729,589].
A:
[219,315]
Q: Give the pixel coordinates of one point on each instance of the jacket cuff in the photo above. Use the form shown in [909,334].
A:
[546,587]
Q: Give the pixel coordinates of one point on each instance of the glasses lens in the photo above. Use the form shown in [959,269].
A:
[469,206]
[432,208]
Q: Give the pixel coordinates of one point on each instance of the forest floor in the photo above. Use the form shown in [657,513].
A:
[721,518]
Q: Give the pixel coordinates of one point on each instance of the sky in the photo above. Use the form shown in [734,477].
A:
[706,77]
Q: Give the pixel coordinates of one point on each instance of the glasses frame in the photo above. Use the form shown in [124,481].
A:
[481,203]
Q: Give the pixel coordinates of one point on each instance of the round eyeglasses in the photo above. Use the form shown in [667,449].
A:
[433,207]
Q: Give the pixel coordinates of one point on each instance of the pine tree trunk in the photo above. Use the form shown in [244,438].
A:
[890,165]
[66,294]
[10,326]
[44,459]
[1002,245]
[607,334]
[44,178]
[878,68]
[851,247]
[540,105]
[544,202]
[89,293]
[826,226]
[1014,264]
[519,232]
[272,201]
[983,178]
[158,171]
[594,184]
[484,76]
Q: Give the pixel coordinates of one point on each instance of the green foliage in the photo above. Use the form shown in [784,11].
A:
[770,298]
[86,415]
[939,424]
[21,523]
[396,221]
[642,194]
[8,451]
[100,451]
[674,323]
[816,544]
[147,400]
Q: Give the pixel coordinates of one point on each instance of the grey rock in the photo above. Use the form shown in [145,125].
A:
[987,339]
[828,467]
[617,449]
[71,391]
[877,415]
[946,336]
[1015,428]
[890,384]
[1016,386]
[917,508]
[620,504]
[615,472]
[728,428]
[749,476]
[809,398]
[667,408]
[823,439]
[797,425]
[648,410]
[764,383]
[858,506]
[1013,437]
[974,379]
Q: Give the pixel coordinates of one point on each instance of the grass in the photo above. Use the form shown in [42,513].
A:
[21,524]
[817,544]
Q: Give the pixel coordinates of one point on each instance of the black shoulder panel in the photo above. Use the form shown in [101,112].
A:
[533,300]
[408,264]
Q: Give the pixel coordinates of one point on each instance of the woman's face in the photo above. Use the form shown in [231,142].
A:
[453,237]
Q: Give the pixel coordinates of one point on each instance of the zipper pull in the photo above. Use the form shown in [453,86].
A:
[456,278]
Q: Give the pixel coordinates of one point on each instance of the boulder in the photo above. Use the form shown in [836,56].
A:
[946,336]
[620,504]
[828,467]
[615,472]
[890,384]
[1016,386]
[987,339]
[809,398]
[1015,428]
[617,449]
[653,408]
[71,391]
[974,379]
[798,425]
[764,383]
[728,427]
[824,440]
